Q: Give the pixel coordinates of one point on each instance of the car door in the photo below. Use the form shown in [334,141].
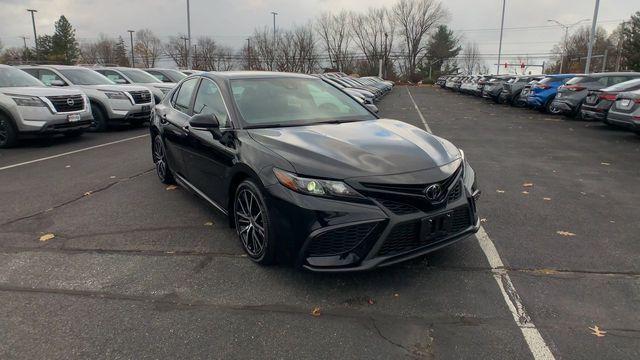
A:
[209,156]
[175,123]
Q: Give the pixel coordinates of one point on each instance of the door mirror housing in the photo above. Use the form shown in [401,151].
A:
[374,109]
[57,83]
[204,122]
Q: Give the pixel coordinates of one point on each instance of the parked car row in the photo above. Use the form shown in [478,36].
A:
[367,90]
[611,97]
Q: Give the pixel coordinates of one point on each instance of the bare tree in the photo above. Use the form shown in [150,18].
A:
[296,50]
[334,31]
[176,49]
[415,19]
[213,57]
[470,60]
[373,34]
[148,47]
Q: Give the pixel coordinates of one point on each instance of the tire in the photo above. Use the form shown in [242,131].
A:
[99,123]
[250,215]
[549,109]
[8,133]
[73,134]
[159,154]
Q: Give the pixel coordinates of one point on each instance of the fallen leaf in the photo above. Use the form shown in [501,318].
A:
[171,187]
[68,166]
[500,191]
[546,199]
[597,331]
[208,223]
[545,271]
[605,163]
[315,311]
[483,220]
[396,295]
[170,252]
[565,233]
[47,237]
[88,193]
[611,221]
[525,192]
[527,185]
[112,177]
[371,302]
[583,193]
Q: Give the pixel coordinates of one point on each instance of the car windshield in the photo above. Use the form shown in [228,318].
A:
[11,77]
[139,76]
[294,101]
[85,77]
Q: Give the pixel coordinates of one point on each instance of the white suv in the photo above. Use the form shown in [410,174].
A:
[126,76]
[109,102]
[29,108]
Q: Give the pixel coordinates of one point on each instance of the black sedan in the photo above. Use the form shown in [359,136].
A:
[310,177]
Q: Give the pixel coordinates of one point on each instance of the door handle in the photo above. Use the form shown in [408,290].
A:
[186,128]
[163,119]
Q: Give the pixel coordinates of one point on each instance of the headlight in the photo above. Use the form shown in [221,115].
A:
[29,101]
[115,95]
[317,187]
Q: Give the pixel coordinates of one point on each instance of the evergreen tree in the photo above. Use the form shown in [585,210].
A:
[120,53]
[442,46]
[65,47]
[45,47]
[631,43]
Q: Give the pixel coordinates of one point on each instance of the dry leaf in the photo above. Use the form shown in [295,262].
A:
[525,192]
[88,193]
[546,271]
[483,220]
[565,233]
[527,184]
[208,223]
[546,199]
[396,295]
[171,187]
[597,331]
[315,311]
[583,193]
[47,237]
[605,163]
[68,166]
[371,302]
[500,191]
[112,177]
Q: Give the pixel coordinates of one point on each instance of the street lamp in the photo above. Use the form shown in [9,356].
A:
[274,27]
[35,36]
[566,35]
[189,61]
[504,4]
[133,60]
[592,37]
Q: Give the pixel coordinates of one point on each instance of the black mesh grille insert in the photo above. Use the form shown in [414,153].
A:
[141,97]
[339,241]
[455,192]
[406,237]
[398,208]
[66,103]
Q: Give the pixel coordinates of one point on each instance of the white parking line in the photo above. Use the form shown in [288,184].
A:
[424,122]
[536,343]
[71,152]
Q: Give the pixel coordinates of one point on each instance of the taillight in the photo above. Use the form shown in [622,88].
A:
[608,96]
[637,101]
[543,86]
[574,87]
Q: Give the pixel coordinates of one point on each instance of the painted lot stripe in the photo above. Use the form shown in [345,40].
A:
[536,343]
[424,122]
[72,152]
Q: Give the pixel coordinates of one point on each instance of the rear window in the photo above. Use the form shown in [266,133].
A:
[550,80]
[625,86]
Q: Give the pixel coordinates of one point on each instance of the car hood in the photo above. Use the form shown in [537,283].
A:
[357,149]
[113,87]
[38,91]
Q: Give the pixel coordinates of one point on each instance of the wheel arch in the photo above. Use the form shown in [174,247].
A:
[240,173]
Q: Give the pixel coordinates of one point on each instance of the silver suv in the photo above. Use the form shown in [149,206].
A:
[28,108]
[126,76]
[110,103]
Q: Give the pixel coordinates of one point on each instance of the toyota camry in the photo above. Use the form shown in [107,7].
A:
[309,176]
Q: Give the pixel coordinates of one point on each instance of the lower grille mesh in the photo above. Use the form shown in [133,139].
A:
[339,241]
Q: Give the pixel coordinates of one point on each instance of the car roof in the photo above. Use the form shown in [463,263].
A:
[233,75]
[55,67]
[597,75]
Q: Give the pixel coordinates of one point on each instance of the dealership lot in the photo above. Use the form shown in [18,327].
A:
[139,270]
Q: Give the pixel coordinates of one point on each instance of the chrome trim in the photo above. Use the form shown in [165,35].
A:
[187,184]
[53,108]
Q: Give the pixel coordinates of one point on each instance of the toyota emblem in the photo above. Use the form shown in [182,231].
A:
[70,102]
[433,192]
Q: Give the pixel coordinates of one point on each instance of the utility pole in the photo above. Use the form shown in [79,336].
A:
[274,27]
[386,57]
[194,57]
[592,36]
[604,60]
[186,52]
[133,60]
[249,53]
[504,4]
[26,52]
[189,61]
[35,35]
[566,36]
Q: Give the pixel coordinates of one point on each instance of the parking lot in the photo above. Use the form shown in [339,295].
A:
[136,269]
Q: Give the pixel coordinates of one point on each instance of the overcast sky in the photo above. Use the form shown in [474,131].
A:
[230,21]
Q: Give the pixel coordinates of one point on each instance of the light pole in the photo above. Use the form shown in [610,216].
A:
[566,36]
[189,62]
[504,4]
[386,56]
[133,60]
[35,36]
[592,36]
[249,53]
[274,27]
[186,48]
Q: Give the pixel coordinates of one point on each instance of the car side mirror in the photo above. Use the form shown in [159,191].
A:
[57,83]
[374,109]
[204,122]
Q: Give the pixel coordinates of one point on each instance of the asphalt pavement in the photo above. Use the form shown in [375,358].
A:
[139,270]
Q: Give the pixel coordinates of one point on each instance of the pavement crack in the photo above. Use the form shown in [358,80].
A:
[71,201]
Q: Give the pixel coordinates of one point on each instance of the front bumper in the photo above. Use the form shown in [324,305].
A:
[594,114]
[327,235]
[123,110]
[626,121]
[40,120]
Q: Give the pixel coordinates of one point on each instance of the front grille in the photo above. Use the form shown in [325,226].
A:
[141,97]
[455,192]
[67,103]
[398,208]
[406,236]
[70,124]
[339,241]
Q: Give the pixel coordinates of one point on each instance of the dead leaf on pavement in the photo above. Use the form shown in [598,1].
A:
[605,163]
[396,295]
[112,177]
[208,223]
[171,187]
[371,302]
[546,199]
[527,185]
[597,331]
[88,193]
[546,271]
[500,191]
[565,233]
[525,192]
[483,220]
[47,237]
[315,311]
[68,166]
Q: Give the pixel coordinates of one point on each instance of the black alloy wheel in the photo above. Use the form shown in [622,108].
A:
[8,136]
[160,161]
[252,223]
